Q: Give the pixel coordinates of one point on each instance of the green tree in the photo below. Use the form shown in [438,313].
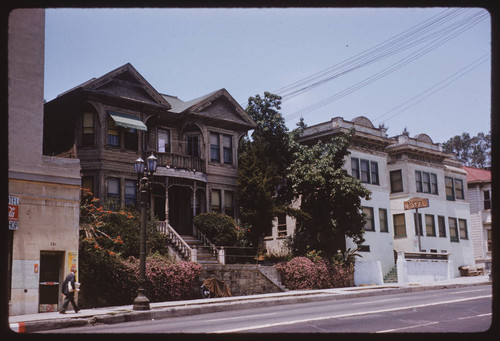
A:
[471,151]
[330,198]
[262,166]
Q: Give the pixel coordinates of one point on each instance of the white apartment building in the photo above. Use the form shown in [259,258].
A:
[395,170]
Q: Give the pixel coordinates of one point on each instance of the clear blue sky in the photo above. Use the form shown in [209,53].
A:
[191,52]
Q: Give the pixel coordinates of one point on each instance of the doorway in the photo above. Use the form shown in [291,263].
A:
[180,213]
[51,278]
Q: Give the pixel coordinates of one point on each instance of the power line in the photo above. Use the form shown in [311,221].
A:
[435,88]
[396,44]
[444,36]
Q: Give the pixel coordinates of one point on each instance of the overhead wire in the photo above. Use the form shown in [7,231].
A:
[444,36]
[395,44]
[435,88]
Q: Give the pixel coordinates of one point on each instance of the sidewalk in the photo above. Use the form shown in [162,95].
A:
[108,315]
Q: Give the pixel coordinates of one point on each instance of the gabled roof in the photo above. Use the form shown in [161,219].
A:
[476,175]
[198,105]
[135,87]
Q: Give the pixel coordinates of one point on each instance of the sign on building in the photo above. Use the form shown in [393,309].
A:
[415,203]
[13,212]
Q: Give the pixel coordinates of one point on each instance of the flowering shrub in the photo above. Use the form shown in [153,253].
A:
[302,273]
[109,269]
[109,280]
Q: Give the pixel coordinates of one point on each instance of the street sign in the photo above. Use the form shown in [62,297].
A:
[415,203]
[13,212]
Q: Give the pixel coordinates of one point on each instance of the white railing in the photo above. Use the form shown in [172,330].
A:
[185,250]
[218,253]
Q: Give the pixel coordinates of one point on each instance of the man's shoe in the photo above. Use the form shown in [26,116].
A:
[62,312]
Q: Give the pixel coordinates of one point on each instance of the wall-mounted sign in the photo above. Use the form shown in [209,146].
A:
[416,202]
[13,212]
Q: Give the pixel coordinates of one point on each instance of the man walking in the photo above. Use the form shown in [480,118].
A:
[68,291]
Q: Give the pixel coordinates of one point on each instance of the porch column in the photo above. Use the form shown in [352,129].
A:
[166,199]
[194,204]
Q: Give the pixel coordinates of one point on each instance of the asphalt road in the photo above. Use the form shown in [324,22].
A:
[467,309]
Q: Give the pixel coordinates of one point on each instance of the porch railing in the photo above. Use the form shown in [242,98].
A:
[182,247]
[181,161]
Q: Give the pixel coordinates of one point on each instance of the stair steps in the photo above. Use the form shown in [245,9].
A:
[391,276]
[203,253]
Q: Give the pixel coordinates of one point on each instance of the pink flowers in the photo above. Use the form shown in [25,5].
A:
[301,273]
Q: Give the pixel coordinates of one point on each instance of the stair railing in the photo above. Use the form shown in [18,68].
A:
[216,251]
[185,250]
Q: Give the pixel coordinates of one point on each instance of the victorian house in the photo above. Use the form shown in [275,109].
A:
[110,121]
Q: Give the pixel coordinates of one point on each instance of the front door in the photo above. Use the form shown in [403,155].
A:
[180,213]
[51,265]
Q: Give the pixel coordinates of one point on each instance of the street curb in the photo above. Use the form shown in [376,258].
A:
[238,303]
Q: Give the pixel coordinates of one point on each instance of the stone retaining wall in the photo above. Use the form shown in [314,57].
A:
[242,279]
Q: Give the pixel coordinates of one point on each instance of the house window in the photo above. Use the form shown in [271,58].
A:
[426,182]
[382,217]
[369,220]
[216,205]
[365,170]
[364,248]
[281,225]
[114,189]
[459,189]
[490,238]
[399,225]
[214,147]
[454,188]
[227,149]
[130,139]
[419,224]
[88,183]
[229,203]
[462,226]
[113,133]
[193,145]
[88,129]
[487,200]
[418,181]
[450,190]
[355,167]
[163,141]
[441,226]
[452,223]
[434,184]
[130,192]
[396,181]
[430,227]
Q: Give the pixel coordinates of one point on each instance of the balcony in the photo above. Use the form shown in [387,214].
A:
[178,161]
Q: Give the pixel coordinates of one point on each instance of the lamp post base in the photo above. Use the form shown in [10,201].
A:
[141,302]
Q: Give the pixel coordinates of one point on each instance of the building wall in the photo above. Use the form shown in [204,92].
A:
[380,243]
[480,222]
[47,187]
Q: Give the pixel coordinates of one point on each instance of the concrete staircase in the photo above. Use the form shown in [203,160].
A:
[203,253]
[391,276]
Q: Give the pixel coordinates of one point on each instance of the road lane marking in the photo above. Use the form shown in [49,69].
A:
[430,323]
[240,317]
[285,323]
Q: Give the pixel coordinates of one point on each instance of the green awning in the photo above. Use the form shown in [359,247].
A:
[127,121]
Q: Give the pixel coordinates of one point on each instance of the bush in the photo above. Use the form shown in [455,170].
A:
[218,228]
[110,280]
[302,273]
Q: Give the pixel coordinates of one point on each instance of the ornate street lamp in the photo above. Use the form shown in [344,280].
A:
[144,174]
